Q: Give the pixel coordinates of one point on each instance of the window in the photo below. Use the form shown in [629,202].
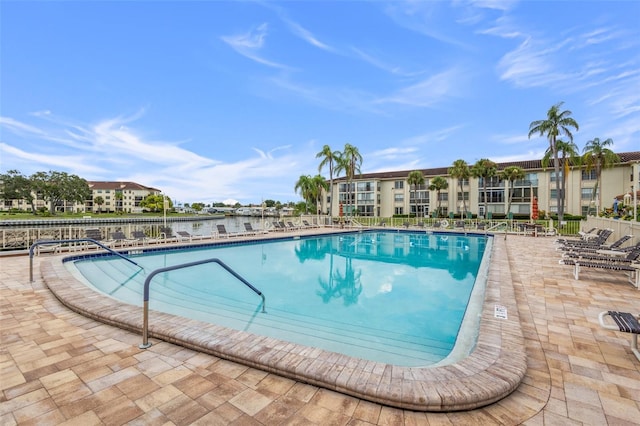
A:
[399,184]
[463,195]
[553,194]
[589,175]
[443,196]
[365,186]
[398,210]
[398,198]
[585,193]
[553,176]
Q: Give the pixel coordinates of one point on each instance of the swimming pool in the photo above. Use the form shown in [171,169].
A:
[493,369]
[391,297]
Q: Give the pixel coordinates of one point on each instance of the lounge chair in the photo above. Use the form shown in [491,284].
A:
[120,239]
[47,246]
[96,235]
[279,226]
[307,224]
[600,240]
[166,234]
[248,229]
[223,233]
[291,226]
[612,263]
[185,236]
[406,224]
[459,224]
[142,238]
[615,247]
[624,322]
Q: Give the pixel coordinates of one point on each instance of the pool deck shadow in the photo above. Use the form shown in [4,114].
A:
[60,366]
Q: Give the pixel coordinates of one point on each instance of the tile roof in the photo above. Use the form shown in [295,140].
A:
[528,165]
[119,186]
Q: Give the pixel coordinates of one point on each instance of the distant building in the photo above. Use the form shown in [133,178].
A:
[386,194]
[118,196]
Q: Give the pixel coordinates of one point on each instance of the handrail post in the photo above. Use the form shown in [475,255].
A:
[145,327]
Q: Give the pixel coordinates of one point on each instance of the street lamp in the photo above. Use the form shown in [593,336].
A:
[164,209]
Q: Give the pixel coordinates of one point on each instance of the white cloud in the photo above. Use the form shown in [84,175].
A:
[250,43]
[429,92]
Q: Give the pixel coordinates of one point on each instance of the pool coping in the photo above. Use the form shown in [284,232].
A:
[492,371]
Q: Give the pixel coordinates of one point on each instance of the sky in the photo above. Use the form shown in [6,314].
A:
[223,101]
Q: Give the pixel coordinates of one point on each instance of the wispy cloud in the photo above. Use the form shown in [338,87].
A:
[306,35]
[113,150]
[429,92]
[250,43]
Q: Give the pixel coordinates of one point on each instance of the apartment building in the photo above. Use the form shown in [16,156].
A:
[386,194]
[118,196]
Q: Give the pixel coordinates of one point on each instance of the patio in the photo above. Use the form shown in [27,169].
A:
[59,367]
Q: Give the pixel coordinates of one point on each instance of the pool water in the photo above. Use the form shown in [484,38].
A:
[393,297]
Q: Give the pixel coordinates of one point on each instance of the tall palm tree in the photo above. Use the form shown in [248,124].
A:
[460,170]
[414,179]
[484,169]
[318,184]
[349,161]
[511,174]
[569,156]
[438,183]
[305,186]
[597,156]
[329,157]
[557,123]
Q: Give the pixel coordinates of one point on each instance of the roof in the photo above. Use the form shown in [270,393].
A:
[527,165]
[132,186]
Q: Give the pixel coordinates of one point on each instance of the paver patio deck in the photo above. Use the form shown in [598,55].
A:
[58,367]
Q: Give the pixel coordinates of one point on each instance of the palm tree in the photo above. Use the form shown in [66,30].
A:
[484,169]
[99,201]
[597,156]
[414,179]
[328,157]
[511,174]
[569,157]
[305,186]
[557,123]
[349,161]
[438,183]
[318,184]
[460,170]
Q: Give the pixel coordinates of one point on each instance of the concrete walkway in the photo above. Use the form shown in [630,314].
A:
[58,367]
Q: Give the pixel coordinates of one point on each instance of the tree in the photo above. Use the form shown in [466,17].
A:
[156,203]
[597,156]
[557,123]
[484,169]
[305,186]
[460,170]
[511,174]
[330,158]
[56,187]
[98,201]
[414,179]
[438,183]
[349,161]
[318,184]
[15,186]
[569,157]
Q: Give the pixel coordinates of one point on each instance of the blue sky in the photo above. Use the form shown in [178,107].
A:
[219,100]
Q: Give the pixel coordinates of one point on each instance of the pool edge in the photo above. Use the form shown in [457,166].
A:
[492,371]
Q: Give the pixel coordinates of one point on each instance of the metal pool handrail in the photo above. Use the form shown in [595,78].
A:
[147,282]
[77,240]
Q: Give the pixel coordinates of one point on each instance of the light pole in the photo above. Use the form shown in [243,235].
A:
[164,209]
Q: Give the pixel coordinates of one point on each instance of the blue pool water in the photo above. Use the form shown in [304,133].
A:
[394,297]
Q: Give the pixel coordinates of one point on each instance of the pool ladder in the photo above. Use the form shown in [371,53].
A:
[77,240]
[145,320]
